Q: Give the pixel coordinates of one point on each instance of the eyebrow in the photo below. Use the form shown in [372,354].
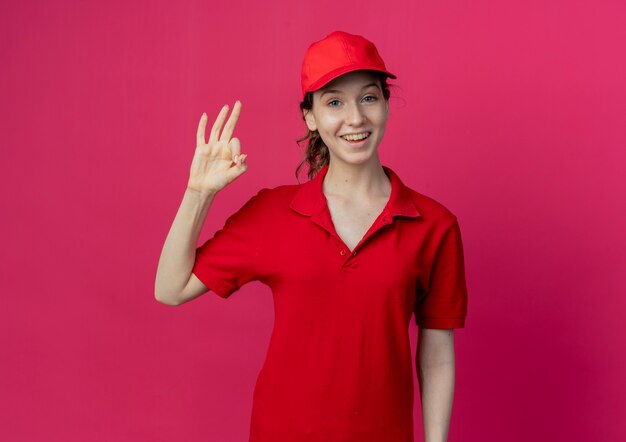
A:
[336,91]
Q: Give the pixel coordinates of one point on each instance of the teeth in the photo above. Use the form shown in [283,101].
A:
[356,137]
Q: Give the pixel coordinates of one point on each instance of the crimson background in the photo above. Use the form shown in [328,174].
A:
[510,113]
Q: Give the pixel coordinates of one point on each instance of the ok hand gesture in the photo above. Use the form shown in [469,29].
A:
[219,161]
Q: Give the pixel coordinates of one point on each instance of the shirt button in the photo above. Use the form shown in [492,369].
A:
[343,252]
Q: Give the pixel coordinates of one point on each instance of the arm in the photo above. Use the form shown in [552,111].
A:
[435,371]
[175,284]
[215,164]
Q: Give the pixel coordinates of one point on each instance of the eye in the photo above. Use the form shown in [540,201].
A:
[370,98]
[333,103]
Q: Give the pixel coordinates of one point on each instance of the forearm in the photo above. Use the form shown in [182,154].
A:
[436,376]
[178,254]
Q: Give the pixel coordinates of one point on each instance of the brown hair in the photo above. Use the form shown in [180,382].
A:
[317,155]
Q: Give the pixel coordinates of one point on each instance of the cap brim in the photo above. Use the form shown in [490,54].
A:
[321,82]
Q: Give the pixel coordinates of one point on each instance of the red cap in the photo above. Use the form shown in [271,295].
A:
[337,54]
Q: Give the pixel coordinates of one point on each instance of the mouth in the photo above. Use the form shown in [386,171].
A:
[356,138]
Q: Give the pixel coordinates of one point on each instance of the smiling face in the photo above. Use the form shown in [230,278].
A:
[350,113]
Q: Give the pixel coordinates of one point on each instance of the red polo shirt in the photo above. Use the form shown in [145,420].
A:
[339,365]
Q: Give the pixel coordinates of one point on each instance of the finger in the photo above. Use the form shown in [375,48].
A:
[217,125]
[238,169]
[241,161]
[201,128]
[235,148]
[232,122]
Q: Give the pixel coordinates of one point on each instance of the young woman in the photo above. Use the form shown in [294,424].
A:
[350,256]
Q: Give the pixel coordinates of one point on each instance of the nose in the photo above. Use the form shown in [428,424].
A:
[354,115]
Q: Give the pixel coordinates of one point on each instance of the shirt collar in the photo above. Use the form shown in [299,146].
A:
[310,199]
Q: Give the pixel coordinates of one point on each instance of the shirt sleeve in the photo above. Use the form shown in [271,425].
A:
[228,260]
[444,305]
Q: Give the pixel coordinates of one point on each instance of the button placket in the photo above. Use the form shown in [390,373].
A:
[348,260]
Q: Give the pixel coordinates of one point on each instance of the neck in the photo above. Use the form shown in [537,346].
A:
[348,180]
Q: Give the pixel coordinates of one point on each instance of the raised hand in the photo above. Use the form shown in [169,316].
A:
[219,161]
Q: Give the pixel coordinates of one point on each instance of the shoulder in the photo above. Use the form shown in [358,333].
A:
[278,192]
[435,218]
[270,201]
[431,210]
[263,209]
[277,195]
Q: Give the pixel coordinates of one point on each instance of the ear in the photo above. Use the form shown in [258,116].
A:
[310,119]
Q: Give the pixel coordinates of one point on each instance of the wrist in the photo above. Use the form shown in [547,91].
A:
[192,191]
[202,198]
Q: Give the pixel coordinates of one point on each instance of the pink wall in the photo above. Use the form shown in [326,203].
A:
[510,113]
